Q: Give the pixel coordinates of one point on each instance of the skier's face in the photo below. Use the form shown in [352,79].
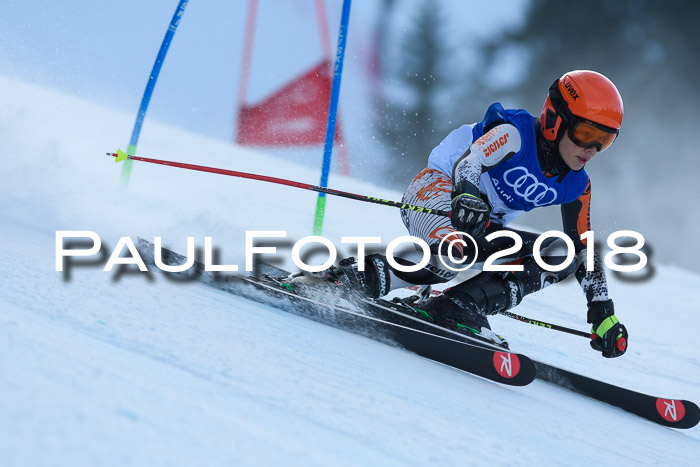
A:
[575,157]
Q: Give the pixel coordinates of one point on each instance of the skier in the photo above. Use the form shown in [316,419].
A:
[489,172]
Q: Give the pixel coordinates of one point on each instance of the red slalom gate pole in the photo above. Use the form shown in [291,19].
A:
[120,155]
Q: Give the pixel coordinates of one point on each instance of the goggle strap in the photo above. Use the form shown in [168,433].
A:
[559,104]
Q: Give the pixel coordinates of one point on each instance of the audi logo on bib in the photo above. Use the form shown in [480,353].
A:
[527,186]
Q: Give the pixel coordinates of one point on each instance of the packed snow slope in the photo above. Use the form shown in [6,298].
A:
[102,368]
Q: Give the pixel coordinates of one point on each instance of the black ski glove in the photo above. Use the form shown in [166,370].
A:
[608,335]
[470,214]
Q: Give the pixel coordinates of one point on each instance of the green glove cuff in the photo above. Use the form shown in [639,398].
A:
[606,325]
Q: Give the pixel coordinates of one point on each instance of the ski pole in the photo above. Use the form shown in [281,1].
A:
[121,155]
[556,327]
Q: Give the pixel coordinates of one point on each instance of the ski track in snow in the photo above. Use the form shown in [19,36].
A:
[109,369]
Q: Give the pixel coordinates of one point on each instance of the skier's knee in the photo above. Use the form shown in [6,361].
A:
[435,272]
[489,292]
[555,253]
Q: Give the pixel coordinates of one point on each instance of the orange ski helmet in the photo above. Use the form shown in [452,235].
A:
[589,106]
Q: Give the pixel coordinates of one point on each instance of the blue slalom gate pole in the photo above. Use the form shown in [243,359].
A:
[133,142]
[332,112]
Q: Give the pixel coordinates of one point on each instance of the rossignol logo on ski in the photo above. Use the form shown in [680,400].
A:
[506,364]
[671,410]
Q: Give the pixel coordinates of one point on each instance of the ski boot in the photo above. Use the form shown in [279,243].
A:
[347,281]
[464,307]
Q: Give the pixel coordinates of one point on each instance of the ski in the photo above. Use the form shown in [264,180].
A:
[495,364]
[407,315]
[394,324]
[674,413]
[668,412]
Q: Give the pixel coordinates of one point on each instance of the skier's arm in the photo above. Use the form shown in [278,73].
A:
[470,214]
[499,144]
[609,335]
[576,220]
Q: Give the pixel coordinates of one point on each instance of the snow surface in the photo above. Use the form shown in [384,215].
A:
[119,368]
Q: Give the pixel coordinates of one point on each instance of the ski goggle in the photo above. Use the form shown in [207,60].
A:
[587,134]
